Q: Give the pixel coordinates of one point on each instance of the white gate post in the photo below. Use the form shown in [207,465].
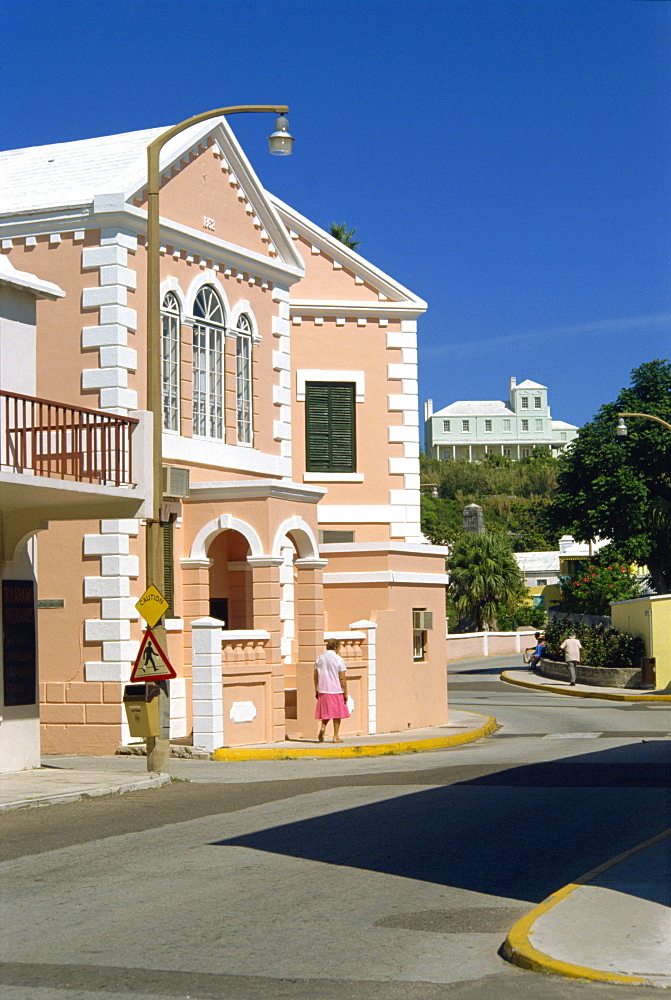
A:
[370,628]
[208,693]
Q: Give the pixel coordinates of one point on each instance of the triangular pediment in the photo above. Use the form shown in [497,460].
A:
[336,274]
[209,186]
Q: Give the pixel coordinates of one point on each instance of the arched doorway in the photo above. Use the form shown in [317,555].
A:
[230,580]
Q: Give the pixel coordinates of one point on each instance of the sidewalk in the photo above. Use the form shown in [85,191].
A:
[66,779]
[524,677]
[612,925]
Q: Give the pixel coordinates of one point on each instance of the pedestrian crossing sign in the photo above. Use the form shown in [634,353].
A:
[151,663]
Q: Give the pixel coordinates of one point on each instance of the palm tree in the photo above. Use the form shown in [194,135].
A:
[484,578]
[339,231]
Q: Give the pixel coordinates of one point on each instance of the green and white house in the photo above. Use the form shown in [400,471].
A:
[471,429]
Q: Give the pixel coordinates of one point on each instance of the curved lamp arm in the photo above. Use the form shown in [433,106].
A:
[622,427]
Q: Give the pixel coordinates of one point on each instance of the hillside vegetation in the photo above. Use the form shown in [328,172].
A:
[515,496]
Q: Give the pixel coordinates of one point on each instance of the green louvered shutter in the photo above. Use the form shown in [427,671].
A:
[330,427]
[169,569]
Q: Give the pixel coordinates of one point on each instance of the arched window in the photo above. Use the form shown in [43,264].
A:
[243,360]
[171,325]
[208,364]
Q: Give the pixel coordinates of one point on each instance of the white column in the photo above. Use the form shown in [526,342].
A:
[369,628]
[208,693]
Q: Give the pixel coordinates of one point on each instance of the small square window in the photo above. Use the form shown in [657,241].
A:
[488,426]
[537,402]
[446,426]
[465,426]
[541,583]
[525,402]
[525,425]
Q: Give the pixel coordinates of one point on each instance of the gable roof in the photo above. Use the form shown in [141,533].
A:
[528,384]
[393,292]
[44,179]
[470,407]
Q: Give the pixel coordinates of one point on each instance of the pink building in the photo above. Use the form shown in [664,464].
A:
[290,441]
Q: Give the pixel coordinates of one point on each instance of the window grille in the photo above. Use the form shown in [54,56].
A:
[208,365]
[243,360]
[170,372]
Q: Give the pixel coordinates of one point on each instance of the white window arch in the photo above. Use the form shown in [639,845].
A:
[170,325]
[243,384]
[208,364]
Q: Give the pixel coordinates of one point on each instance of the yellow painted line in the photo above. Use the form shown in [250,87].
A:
[518,949]
[606,693]
[359,750]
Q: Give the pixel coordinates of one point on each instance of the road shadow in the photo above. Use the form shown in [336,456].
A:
[519,833]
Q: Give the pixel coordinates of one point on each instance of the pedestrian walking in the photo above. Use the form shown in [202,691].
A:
[330,690]
[572,650]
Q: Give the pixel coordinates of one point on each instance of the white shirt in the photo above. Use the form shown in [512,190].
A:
[329,666]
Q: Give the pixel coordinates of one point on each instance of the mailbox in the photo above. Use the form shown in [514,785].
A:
[141,704]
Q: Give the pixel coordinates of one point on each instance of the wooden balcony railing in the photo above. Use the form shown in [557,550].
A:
[46,438]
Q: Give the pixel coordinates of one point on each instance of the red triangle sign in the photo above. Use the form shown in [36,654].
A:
[151,663]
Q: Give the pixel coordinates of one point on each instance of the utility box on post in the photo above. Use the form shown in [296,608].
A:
[141,704]
[648,672]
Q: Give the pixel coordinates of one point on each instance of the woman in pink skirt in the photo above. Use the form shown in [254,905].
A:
[331,690]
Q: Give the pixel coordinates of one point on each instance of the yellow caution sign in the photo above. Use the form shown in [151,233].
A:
[152,605]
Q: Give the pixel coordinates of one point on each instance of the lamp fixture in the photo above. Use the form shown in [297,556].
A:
[621,429]
[281,140]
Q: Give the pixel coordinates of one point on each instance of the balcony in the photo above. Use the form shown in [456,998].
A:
[61,462]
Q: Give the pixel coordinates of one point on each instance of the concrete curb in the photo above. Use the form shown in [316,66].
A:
[361,749]
[518,950]
[56,798]
[606,693]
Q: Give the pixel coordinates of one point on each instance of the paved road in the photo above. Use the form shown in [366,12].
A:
[370,879]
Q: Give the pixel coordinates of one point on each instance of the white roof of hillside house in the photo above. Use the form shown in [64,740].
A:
[528,384]
[538,562]
[468,407]
[561,425]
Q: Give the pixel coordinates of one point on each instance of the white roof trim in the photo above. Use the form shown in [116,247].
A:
[398,293]
[23,280]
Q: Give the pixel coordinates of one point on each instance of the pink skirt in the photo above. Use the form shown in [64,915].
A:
[331,706]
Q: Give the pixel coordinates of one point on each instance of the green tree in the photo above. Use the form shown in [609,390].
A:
[611,487]
[340,232]
[484,578]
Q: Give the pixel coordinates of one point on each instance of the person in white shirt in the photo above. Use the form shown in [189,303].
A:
[572,649]
[330,690]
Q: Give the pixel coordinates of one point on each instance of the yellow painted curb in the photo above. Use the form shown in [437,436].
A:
[603,693]
[360,750]
[518,949]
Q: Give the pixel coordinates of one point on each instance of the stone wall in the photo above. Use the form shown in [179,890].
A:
[616,677]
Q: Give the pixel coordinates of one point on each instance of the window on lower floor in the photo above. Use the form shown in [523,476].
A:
[330,430]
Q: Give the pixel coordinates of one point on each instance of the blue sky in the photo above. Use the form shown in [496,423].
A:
[510,162]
